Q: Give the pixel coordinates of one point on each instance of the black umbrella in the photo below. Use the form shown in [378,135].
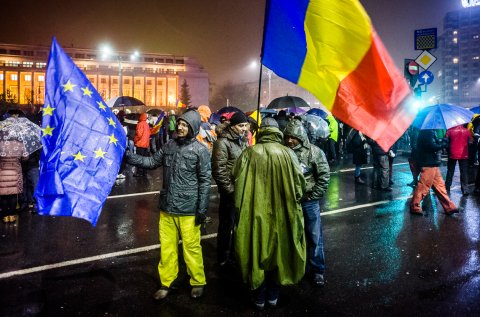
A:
[131,120]
[155,112]
[124,101]
[287,102]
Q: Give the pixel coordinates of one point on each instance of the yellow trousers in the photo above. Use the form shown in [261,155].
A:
[170,229]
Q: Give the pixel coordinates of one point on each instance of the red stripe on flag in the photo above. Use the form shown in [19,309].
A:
[372,98]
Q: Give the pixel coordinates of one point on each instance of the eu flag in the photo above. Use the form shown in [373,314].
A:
[83,143]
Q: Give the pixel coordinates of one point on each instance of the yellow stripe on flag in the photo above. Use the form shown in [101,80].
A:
[337,40]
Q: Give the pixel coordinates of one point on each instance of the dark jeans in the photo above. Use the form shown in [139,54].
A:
[30,181]
[269,290]
[380,171]
[463,165]
[314,236]
[226,221]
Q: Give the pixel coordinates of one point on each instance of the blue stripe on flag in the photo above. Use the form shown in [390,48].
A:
[285,46]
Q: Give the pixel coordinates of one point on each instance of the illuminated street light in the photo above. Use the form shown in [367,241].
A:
[107,53]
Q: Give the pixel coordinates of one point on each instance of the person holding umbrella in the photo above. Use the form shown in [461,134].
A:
[429,147]
[19,137]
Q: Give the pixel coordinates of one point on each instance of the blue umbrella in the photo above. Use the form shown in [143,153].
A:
[318,112]
[442,116]
[475,109]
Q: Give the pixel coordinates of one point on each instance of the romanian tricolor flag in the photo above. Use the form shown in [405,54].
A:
[156,128]
[180,104]
[330,48]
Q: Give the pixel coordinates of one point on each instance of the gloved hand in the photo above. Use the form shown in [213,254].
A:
[200,218]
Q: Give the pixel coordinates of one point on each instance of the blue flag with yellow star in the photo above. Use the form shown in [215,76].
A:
[83,143]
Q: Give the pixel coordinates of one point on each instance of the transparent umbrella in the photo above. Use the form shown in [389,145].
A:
[19,132]
[316,127]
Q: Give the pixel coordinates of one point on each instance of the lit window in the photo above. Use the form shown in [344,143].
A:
[27,64]
[1,76]
[41,65]
[455,81]
[455,87]
[476,58]
[455,40]
[455,32]
[14,77]
[455,60]
[476,37]
[41,78]
[28,77]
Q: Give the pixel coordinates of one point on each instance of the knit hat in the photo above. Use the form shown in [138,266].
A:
[237,118]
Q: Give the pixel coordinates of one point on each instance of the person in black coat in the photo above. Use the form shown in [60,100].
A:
[356,143]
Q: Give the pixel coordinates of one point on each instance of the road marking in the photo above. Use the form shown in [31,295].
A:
[88,259]
[213,186]
[337,211]
[156,246]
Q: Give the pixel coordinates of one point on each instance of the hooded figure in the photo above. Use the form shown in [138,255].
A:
[317,174]
[183,202]
[269,233]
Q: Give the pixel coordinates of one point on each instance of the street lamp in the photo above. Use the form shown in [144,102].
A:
[107,52]
[254,65]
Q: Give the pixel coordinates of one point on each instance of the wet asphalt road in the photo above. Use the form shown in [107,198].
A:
[381,261]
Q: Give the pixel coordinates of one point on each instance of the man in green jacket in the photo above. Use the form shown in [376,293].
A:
[269,234]
[317,174]
[183,203]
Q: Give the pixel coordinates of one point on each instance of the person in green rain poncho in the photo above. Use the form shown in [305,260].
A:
[269,232]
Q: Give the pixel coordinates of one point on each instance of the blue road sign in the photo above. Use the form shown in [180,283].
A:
[425,78]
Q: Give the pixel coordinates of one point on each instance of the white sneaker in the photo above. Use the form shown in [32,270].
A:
[120,176]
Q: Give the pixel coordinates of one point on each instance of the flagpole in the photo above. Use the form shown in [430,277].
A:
[267,7]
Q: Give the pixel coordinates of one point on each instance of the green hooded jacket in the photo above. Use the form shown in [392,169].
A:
[312,160]
[269,232]
[333,126]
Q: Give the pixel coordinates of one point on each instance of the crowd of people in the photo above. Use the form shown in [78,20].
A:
[270,186]
[270,176]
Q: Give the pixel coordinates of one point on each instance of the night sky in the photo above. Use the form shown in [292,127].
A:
[224,35]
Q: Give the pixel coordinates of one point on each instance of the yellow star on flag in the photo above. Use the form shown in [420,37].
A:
[48,130]
[113,139]
[48,110]
[101,105]
[99,153]
[79,156]
[68,86]
[111,122]
[86,91]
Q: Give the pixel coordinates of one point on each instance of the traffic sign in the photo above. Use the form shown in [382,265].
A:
[425,78]
[426,39]
[425,60]
[413,68]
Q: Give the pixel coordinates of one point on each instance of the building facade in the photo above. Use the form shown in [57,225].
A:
[154,79]
[460,48]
